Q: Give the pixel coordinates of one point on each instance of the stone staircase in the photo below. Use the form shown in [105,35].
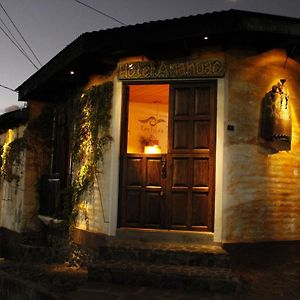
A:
[39,247]
[165,260]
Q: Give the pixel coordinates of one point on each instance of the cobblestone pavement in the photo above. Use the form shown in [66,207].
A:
[116,292]
[275,282]
[264,282]
[265,275]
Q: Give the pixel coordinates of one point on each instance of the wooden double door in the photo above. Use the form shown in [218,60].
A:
[175,189]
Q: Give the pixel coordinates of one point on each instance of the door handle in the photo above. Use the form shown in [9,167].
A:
[163,168]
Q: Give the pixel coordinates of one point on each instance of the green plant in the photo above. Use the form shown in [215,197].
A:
[92,115]
[11,157]
[37,135]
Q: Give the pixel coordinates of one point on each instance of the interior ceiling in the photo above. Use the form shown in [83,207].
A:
[149,93]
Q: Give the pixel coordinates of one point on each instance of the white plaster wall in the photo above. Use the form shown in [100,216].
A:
[102,201]
[221,120]
[12,193]
[115,157]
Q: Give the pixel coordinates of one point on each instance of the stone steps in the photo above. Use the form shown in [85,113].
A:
[186,266]
[164,236]
[173,254]
[164,276]
[33,252]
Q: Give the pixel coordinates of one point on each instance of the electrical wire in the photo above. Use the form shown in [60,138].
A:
[8,88]
[100,12]
[18,47]
[16,28]
[12,36]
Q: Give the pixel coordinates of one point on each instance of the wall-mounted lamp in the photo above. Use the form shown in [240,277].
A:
[276,117]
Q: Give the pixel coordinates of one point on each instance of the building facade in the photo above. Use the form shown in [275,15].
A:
[203,126]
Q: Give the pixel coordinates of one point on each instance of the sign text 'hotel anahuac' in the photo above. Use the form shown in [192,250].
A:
[171,69]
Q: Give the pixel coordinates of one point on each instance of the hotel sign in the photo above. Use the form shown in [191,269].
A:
[171,69]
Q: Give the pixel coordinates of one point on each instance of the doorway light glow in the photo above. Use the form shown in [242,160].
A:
[152,149]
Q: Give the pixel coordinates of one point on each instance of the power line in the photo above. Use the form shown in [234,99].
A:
[100,12]
[16,28]
[12,36]
[8,88]
[18,47]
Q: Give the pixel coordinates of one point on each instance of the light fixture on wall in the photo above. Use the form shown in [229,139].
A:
[276,117]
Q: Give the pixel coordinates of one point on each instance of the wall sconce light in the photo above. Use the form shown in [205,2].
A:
[276,117]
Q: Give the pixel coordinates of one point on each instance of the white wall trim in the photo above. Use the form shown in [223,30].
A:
[115,157]
[220,134]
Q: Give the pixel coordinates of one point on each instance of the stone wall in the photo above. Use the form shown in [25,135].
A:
[261,185]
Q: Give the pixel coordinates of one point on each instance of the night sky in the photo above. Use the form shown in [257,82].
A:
[49,25]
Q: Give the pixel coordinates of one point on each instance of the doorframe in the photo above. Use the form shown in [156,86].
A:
[222,91]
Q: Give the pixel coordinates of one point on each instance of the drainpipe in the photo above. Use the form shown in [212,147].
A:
[52,141]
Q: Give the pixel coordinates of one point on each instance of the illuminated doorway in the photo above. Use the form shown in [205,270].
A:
[167,178]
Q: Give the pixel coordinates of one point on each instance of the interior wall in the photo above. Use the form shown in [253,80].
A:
[140,130]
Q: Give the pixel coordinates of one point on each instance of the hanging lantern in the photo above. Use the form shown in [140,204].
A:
[276,117]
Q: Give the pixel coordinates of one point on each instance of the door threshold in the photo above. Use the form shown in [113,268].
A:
[165,236]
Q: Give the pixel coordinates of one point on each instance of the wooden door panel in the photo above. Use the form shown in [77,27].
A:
[201,135]
[153,171]
[179,209]
[153,209]
[191,156]
[180,172]
[202,101]
[199,210]
[133,207]
[181,138]
[134,171]
[183,98]
[201,172]
[143,201]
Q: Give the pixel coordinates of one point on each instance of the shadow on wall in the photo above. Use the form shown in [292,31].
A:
[1,242]
[9,243]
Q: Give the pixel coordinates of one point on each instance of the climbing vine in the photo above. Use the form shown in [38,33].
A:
[92,116]
[37,135]
[11,156]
